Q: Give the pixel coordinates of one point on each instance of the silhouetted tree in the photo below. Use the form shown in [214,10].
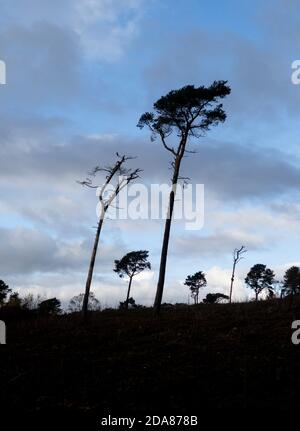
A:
[31,302]
[50,306]
[237,256]
[212,298]
[271,294]
[75,304]
[188,112]
[106,198]
[259,278]
[195,283]
[130,265]
[4,291]
[291,281]
[125,304]
[14,300]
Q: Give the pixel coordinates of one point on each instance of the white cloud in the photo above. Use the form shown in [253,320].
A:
[218,280]
[106,27]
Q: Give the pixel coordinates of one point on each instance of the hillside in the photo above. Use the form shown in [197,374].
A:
[186,361]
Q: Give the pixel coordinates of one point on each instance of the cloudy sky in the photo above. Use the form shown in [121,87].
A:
[79,75]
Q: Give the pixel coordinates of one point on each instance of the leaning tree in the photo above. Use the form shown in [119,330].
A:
[107,193]
[130,265]
[188,113]
[195,283]
[259,278]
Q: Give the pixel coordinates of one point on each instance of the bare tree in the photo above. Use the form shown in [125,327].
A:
[75,304]
[188,113]
[106,199]
[237,256]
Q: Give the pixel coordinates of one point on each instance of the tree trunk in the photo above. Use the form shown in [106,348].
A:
[164,251]
[91,268]
[232,280]
[128,292]
[256,295]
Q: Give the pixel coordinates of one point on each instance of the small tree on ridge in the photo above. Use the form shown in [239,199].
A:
[195,283]
[259,278]
[130,265]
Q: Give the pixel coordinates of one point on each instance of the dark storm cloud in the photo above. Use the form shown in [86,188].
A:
[226,169]
[235,172]
[218,244]
[42,66]
[33,251]
[257,66]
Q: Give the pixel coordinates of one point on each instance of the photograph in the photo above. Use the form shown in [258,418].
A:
[149,214]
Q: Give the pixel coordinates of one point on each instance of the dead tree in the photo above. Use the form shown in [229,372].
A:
[106,199]
[237,256]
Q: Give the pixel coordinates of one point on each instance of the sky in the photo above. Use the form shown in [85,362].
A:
[79,75]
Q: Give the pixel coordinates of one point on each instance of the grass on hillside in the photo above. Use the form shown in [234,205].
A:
[185,361]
